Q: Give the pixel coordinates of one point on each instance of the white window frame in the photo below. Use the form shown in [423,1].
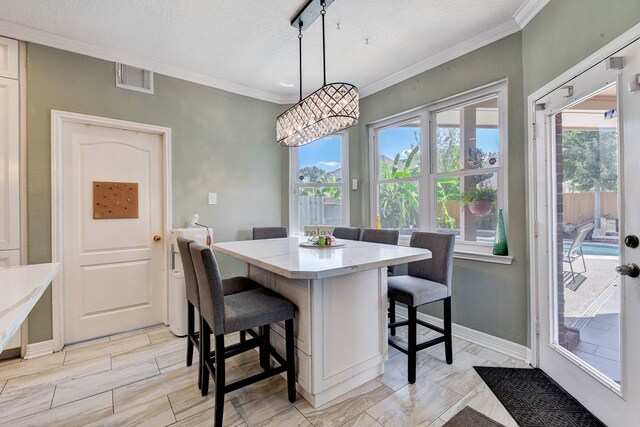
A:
[294,183]
[465,250]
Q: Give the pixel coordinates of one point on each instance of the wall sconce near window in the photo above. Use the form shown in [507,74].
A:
[330,109]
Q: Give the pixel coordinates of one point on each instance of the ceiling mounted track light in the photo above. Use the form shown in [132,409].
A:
[330,109]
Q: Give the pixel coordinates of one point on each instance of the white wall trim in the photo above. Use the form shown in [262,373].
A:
[34,35]
[39,349]
[528,11]
[58,119]
[500,345]
[499,32]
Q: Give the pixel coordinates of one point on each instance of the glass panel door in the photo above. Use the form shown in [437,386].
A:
[587,235]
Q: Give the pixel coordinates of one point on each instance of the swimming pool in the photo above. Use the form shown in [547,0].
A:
[593,248]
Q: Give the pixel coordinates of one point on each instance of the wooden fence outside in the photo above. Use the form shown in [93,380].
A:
[320,211]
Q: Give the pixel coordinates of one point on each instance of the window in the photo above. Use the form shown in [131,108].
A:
[319,183]
[443,167]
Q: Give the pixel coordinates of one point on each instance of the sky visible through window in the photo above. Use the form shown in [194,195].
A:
[325,153]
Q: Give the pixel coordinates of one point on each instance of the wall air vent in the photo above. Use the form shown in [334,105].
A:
[133,78]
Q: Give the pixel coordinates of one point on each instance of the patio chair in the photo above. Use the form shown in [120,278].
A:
[575,250]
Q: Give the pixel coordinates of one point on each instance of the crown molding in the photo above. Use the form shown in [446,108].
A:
[503,30]
[528,11]
[24,33]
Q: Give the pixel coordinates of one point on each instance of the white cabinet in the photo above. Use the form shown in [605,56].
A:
[8,58]
[9,165]
[9,160]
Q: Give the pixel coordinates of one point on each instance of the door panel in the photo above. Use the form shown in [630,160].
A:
[9,165]
[113,268]
[586,162]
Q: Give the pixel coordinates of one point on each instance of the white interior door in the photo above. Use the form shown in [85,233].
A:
[113,268]
[587,202]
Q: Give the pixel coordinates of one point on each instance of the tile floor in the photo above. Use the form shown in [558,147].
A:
[140,378]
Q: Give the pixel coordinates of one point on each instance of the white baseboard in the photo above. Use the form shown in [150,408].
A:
[500,345]
[39,349]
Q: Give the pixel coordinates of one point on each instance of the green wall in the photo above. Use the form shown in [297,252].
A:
[487,297]
[221,142]
[566,32]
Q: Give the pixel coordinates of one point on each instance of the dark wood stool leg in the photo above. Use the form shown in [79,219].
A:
[411,338]
[190,332]
[220,381]
[291,360]
[448,344]
[392,316]
[243,337]
[205,350]
[264,352]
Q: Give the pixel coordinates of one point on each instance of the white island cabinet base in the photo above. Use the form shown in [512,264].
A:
[340,326]
[341,306]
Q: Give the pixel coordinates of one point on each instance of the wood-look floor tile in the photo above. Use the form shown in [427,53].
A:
[396,369]
[204,418]
[437,423]
[2,384]
[60,374]
[78,413]
[107,348]
[125,335]
[262,400]
[152,414]
[188,401]
[482,399]
[417,404]
[21,367]
[289,418]
[147,353]
[487,354]
[362,420]
[140,392]
[89,385]
[512,362]
[342,409]
[164,334]
[25,401]
[87,343]
[460,376]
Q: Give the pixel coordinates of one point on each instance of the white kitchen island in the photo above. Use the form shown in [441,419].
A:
[341,298]
[20,289]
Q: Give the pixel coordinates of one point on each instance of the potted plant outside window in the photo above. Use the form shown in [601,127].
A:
[480,199]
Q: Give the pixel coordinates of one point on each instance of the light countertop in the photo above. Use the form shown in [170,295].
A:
[287,258]
[21,287]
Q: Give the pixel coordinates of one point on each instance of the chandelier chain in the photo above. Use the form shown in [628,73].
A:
[324,56]
[300,55]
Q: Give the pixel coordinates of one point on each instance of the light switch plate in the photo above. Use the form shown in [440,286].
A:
[354,184]
[213,198]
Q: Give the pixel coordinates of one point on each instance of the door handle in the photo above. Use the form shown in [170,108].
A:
[631,270]
[157,238]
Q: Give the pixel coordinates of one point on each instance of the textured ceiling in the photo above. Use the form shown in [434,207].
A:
[249,45]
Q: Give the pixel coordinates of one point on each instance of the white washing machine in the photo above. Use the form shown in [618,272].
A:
[177,297]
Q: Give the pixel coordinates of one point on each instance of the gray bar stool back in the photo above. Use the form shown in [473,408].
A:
[224,314]
[230,286]
[347,233]
[428,281]
[260,233]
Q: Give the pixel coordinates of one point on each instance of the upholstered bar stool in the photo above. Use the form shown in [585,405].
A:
[229,286]
[224,314]
[384,236]
[260,233]
[347,233]
[428,281]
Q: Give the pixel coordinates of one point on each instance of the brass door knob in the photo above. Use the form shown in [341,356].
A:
[157,238]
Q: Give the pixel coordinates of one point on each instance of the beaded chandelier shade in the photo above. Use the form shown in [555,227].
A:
[330,109]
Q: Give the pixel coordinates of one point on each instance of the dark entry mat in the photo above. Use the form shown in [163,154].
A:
[469,417]
[535,400]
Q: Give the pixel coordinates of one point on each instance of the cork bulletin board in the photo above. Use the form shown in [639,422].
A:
[113,200]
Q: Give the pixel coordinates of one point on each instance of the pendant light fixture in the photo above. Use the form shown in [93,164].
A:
[330,109]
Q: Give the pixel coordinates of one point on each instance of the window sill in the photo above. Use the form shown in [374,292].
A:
[481,253]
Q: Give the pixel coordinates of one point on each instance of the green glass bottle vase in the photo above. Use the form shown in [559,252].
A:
[500,242]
